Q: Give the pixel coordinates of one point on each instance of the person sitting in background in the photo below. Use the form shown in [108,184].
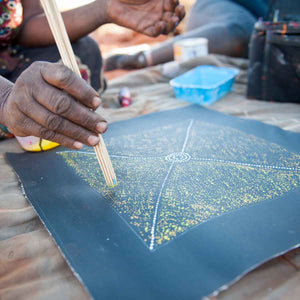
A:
[47,99]
[227,24]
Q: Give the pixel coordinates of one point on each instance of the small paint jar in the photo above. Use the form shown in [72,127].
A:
[35,144]
[190,48]
[125,97]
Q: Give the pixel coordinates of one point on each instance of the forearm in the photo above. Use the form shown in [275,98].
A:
[5,90]
[79,22]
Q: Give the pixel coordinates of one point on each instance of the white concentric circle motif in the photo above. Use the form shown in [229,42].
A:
[178,157]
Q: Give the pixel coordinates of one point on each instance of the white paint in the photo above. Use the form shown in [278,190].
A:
[163,186]
[117,156]
[157,207]
[246,164]
[194,158]
[178,157]
[187,136]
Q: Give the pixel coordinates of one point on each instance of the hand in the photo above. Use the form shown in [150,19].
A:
[150,17]
[50,101]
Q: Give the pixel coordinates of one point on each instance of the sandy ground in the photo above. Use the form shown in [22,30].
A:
[111,37]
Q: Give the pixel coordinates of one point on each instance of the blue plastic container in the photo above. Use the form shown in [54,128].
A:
[204,85]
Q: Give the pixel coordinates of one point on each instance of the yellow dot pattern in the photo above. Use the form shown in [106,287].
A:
[228,170]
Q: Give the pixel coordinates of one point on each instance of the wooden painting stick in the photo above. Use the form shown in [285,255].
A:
[64,46]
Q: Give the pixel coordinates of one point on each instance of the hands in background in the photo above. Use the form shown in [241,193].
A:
[150,17]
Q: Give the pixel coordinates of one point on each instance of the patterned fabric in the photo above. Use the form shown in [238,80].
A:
[11,17]
[4,133]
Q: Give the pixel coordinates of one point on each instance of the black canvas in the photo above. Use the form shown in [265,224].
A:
[202,199]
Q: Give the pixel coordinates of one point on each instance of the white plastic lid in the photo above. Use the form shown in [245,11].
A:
[192,42]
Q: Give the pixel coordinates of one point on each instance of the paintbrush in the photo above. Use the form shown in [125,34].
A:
[64,46]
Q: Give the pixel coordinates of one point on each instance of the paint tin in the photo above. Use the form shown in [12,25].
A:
[190,48]
[35,144]
[125,97]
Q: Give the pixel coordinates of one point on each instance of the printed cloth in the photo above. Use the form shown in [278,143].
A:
[4,133]
[11,17]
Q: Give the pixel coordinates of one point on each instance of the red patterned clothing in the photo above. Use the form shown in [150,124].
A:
[4,133]
[11,17]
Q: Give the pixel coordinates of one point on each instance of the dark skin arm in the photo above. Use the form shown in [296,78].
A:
[151,17]
[35,31]
[50,101]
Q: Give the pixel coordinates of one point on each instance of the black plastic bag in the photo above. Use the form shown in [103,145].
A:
[274,62]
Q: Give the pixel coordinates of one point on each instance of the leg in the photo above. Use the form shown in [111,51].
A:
[225,24]
[237,22]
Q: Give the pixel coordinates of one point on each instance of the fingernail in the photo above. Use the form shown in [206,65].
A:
[78,145]
[101,127]
[96,102]
[93,140]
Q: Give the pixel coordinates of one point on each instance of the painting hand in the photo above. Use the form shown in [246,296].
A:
[49,101]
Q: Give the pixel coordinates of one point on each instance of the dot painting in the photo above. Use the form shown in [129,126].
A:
[177,176]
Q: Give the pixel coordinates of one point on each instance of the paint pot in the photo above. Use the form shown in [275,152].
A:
[35,144]
[190,48]
[125,97]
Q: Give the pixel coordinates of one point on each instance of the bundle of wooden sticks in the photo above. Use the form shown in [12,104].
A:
[63,43]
